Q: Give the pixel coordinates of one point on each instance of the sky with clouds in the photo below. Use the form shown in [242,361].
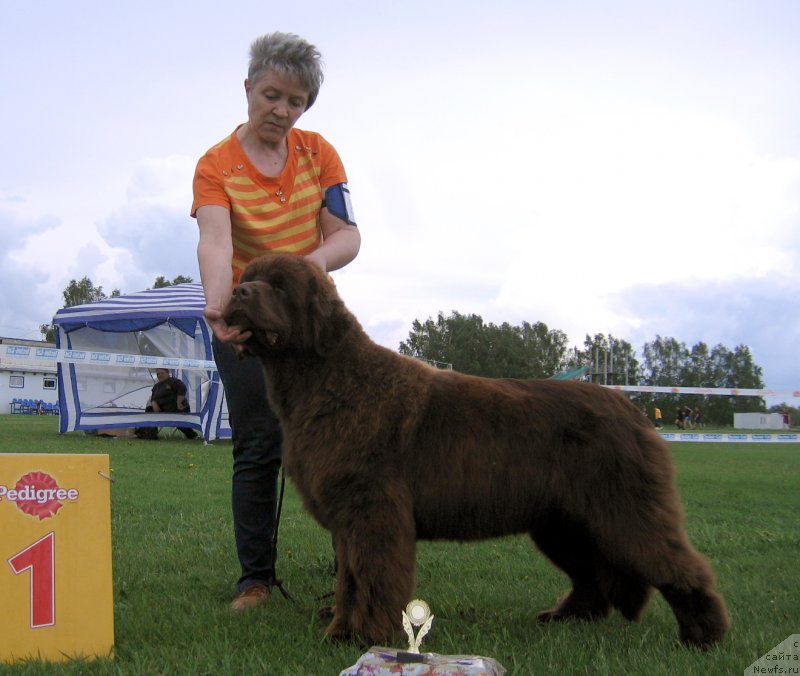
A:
[603,167]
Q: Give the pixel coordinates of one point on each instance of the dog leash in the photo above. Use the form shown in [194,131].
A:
[275,582]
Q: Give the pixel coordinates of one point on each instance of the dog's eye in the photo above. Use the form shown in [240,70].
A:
[280,293]
[277,282]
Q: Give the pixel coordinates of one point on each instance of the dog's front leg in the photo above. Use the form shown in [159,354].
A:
[375,556]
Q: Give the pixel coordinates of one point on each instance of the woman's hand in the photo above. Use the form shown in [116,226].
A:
[340,244]
[317,257]
[223,331]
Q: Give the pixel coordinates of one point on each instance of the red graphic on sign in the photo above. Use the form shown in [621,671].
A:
[37,495]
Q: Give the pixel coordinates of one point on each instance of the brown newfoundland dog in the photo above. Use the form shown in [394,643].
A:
[386,450]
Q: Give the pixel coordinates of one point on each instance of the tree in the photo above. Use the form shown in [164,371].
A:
[48,332]
[610,360]
[662,366]
[733,369]
[471,346]
[668,362]
[162,281]
[452,340]
[77,293]
[545,349]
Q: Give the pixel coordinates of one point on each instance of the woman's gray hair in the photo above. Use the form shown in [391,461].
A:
[290,54]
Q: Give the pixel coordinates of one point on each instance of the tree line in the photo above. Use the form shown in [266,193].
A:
[469,345]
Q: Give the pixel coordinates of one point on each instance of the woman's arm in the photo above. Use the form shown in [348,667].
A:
[340,245]
[215,257]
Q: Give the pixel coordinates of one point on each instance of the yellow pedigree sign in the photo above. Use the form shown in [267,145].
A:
[56,592]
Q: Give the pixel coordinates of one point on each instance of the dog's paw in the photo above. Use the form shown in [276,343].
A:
[551,615]
[326,613]
[339,633]
[563,614]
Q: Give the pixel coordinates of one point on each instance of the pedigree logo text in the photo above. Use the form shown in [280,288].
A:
[38,494]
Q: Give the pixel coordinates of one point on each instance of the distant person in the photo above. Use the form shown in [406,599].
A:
[697,419]
[687,418]
[786,420]
[169,396]
[40,407]
[657,415]
[680,418]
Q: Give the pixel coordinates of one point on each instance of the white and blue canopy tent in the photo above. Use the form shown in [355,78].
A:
[111,348]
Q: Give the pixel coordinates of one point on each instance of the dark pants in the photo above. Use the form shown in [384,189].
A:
[256,464]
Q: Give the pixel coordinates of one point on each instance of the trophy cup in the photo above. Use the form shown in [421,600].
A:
[418,614]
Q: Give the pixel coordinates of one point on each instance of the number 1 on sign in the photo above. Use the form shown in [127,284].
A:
[39,558]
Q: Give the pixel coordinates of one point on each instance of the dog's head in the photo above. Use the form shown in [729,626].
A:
[289,305]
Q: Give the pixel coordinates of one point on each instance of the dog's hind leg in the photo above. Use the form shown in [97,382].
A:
[652,545]
[685,579]
[627,593]
[701,614]
[569,547]
[376,560]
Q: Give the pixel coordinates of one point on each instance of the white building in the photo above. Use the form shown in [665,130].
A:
[27,378]
[757,421]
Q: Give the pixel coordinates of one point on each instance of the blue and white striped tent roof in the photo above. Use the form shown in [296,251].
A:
[181,305]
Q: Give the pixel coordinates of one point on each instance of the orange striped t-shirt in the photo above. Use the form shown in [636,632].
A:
[269,213]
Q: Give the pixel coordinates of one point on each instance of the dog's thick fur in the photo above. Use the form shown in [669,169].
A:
[386,450]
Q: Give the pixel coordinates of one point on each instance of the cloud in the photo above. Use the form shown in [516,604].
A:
[10,198]
[152,234]
[166,181]
[763,314]
[149,240]
[149,234]
[27,300]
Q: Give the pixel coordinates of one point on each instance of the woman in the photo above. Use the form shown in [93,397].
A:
[266,187]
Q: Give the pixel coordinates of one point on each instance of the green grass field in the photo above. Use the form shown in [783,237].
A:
[174,569]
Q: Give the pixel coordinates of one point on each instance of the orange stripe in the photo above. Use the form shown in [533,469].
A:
[297,240]
[260,210]
[299,248]
[266,240]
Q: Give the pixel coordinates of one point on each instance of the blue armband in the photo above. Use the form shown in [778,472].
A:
[337,200]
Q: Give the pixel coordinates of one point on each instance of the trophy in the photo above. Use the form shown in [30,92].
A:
[418,614]
[386,660]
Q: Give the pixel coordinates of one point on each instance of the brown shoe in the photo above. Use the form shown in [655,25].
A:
[254,595]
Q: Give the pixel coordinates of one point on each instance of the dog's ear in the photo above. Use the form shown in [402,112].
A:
[251,272]
[327,316]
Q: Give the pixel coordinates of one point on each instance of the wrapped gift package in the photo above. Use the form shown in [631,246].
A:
[392,662]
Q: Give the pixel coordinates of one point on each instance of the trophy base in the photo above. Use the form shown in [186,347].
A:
[404,657]
[378,661]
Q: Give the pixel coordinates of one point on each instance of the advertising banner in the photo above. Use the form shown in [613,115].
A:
[56,592]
